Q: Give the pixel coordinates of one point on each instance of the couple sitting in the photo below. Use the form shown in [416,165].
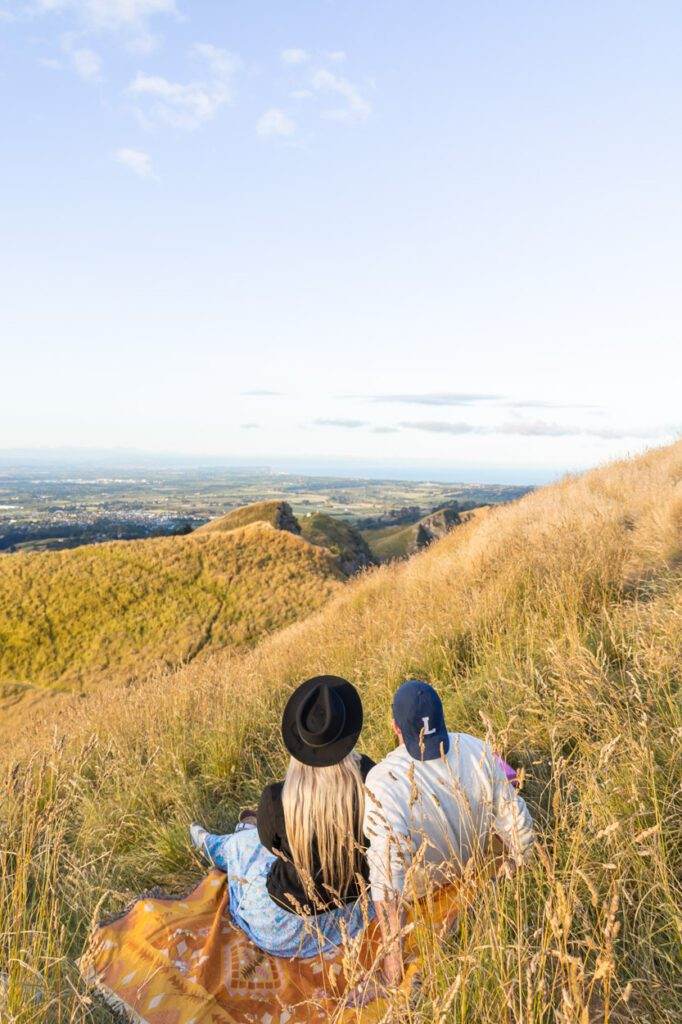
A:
[299,868]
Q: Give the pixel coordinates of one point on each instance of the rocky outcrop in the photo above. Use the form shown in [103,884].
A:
[342,539]
[436,525]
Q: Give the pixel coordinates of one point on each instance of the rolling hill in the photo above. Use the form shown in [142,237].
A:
[275,513]
[553,626]
[339,537]
[116,611]
[400,541]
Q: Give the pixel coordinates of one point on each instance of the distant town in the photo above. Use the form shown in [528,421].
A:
[62,507]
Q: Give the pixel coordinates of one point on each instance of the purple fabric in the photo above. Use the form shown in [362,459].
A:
[509,772]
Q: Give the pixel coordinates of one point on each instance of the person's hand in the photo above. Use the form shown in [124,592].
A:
[507,869]
[393,969]
[366,992]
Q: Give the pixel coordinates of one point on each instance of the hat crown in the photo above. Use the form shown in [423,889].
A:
[322,721]
[321,717]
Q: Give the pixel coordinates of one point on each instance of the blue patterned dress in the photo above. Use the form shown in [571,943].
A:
[271,927]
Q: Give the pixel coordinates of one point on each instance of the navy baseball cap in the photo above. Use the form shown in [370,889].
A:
[418,713]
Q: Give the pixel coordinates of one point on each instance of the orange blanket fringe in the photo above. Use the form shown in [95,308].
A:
[182,961]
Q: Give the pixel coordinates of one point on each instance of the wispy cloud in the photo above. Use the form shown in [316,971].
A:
[275,122]
[437,398]
[537,428]
[349,424]
[337,56]
[250,426]
[190,104]
[127,17]
[540,428]
[111,14]
[86,63]
[385,430]
[301,94]
[538,404]
[136,160]
[356,109]
[261,392]
[441,427]
[294,56]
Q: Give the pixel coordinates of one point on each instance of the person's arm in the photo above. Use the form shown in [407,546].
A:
[386,830]
[391,919]
[512,822]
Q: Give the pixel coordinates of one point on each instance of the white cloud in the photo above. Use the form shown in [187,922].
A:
[128,17]
[294,56]
[338,56]
[437,398]
[275,122]
[143,43]
[538,428]
[86,63]
[301,94]
[137,161]
[190,104]
[112,14]
[347,424]
[357,108]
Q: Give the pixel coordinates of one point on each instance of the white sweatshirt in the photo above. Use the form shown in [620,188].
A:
[425,819]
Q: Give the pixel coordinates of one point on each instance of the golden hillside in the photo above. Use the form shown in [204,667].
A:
[553,625]
[401,541]
[117,610]
[276,513]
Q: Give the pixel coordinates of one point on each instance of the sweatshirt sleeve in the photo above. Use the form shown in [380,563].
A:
[511,819]
[386,831]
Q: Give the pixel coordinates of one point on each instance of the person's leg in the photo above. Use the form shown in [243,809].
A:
[214,846]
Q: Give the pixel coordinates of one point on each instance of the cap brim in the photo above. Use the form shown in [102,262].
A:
[331,753]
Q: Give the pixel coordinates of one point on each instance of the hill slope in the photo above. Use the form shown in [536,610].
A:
[339,537]
[118,610]
[276,513]
[552,624]
[401,541]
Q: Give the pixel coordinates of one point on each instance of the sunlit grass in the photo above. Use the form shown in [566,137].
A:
[115,611]
[553,625]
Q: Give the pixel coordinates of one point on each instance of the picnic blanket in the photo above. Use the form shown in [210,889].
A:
[182,961]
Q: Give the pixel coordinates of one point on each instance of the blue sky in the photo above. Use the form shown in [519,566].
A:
[446,233]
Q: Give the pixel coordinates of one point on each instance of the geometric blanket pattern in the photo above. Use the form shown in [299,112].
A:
[182,961]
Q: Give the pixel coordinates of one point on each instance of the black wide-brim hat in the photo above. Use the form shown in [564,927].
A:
[322,721]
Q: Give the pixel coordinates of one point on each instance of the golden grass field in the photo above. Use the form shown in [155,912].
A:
[113,612]
[553,625]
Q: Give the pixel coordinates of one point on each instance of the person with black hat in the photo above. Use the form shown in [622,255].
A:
[297,879]
[431,805]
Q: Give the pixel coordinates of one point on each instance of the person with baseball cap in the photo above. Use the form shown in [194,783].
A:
[433,803]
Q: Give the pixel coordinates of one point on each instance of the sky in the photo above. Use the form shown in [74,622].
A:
[444,234]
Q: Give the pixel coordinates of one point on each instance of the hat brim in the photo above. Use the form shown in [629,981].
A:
[330,753]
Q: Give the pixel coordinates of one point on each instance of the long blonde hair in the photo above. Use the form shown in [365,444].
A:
[324,807]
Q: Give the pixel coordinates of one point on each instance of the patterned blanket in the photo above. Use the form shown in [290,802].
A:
[182,961]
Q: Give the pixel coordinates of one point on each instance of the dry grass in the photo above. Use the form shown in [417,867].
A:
[553,624]
[115,611]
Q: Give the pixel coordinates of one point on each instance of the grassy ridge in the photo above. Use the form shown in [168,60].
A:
[339,537]
[118,610]
[400,541]
[276,513]
[552,624]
